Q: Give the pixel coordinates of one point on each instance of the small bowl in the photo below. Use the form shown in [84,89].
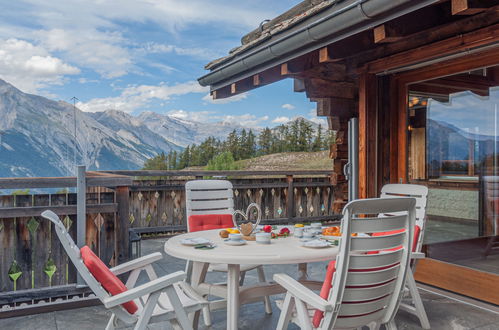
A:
[308,234]
[263,238]
[235,237]
[316,225]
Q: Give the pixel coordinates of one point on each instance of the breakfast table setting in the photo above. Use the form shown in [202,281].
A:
[250,243]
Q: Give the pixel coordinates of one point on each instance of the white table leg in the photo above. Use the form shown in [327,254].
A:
[198,273]
[302,272]
[232,297]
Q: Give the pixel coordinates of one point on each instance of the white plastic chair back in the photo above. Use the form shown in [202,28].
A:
[208,197]
[74,254]
[420,193]
[366,287]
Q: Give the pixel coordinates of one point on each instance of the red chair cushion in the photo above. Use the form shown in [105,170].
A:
[417,231]
[331,268]
[324,294]
[210,221]
[105,277]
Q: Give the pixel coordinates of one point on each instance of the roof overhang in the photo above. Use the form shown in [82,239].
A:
[339,21]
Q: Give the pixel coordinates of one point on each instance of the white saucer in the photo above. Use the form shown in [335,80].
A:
[231,242]
[316,244]
[195,241]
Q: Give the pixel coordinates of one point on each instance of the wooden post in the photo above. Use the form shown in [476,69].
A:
[291,197]
[81,212]
[122,224]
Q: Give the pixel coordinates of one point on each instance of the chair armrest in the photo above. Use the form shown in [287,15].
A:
[155,285]
[302,292]
[137,263]
[417,255]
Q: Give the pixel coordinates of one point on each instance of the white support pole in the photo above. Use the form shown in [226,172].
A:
[81,199]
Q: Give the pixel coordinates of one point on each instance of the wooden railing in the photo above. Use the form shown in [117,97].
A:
[283,196]
[31,255]
[32,263]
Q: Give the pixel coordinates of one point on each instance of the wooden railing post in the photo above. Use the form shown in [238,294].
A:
[291,197]
[122,224]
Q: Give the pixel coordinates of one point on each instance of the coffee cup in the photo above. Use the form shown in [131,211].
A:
[298,232]
[235,237]
[316,225]
[263,238]
[308,234]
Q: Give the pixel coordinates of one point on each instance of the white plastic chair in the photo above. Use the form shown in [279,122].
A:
[167,298]
[366,287]
[420,193]
[216,197]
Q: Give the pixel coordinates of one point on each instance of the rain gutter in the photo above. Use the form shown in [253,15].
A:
[334,24]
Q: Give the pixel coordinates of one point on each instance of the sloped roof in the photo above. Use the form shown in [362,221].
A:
[281,23]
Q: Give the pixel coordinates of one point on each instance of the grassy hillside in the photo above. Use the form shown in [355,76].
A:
[288,161]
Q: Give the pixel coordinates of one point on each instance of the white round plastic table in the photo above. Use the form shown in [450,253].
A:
[286,250]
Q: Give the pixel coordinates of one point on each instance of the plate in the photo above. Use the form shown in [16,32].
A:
[231,242]
[316,244]
[195,241]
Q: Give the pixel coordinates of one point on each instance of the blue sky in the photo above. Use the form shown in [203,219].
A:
[140,55]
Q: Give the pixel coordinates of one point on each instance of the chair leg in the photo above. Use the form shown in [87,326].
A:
[286,311]
[261,279]
[391,325]
[144,318]
[207,316]
[180,313]
[418,303]
[110,323]
[242,275]
[302,314]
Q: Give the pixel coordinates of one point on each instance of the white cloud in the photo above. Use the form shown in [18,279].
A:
[100,51]
[199,116]
[281,120]
[203,53]
[226,100]
[136,97]
[288,106]
[312,116]
[30,67]
[246,120]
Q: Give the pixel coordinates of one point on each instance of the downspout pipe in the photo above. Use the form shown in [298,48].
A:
[336,23]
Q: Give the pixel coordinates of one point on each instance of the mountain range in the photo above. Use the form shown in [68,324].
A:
[37,136]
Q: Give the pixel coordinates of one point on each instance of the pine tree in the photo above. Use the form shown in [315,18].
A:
[249,147]
[265,141]
[318,141]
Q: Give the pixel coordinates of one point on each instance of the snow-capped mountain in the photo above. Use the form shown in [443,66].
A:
[184,132]
[37,137]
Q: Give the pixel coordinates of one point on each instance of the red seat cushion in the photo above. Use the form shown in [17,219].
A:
[331,268]
[210,221]
[326,287]
[105,277]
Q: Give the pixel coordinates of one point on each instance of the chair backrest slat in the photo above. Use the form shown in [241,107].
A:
[420,193]
[365,278]
[351,322]
[365,294]
[363,307]
[367,286]
[367,261]
[208,197]
[376,243]
[374,225]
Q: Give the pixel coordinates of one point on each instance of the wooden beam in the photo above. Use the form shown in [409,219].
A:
[336,106]
[413,41]
[242,86]
[385,34]
[469,7]
[319,88]
[482,37]
[326,55]
[256,80]
[221,93]
[367,135]
[463,280]
[298,85]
